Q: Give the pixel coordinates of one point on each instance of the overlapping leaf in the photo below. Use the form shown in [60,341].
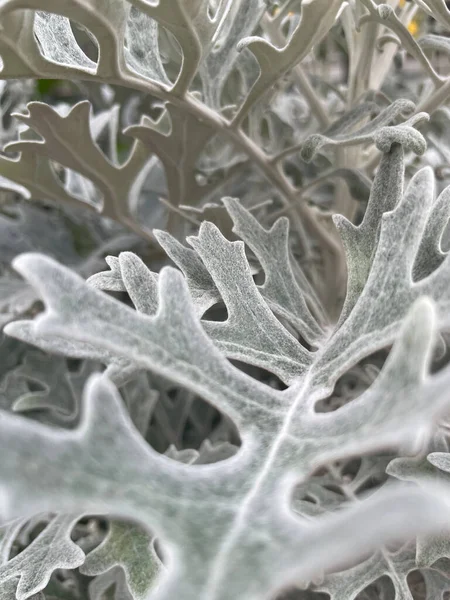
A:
[68,140]
[226,529]
[46,45]
[282,436]
[52,549]
[126,462]
[317,18]
[178,150]
[242,18]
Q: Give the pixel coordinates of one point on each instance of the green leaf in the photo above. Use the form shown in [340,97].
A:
[129,547]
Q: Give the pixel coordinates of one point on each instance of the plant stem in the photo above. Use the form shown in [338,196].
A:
[304,219]
[270,171]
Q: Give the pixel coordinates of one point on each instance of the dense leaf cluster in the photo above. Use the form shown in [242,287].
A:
[267,416]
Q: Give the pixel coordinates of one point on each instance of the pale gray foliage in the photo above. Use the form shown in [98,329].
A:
[235,401]
[280,289]
[280,433]
[241,21]
[52,549]
[316,20]
[59,399]
[421,470]
[380,255]
[71,147]
[138,463]
[173,146]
